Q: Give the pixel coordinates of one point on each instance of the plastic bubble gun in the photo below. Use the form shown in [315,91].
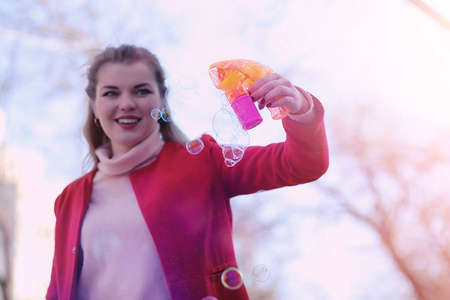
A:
[234,77]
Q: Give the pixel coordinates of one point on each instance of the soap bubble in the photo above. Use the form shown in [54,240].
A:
[232,278]
[195,146]
[224,124]
[232,154]
[156,113]
[165,115]
[187,81]
[261,273]
[230,135]
[209,298]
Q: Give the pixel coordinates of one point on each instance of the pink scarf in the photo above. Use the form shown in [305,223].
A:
[141,154]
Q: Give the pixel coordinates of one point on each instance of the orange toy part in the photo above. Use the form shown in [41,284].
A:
[234,77]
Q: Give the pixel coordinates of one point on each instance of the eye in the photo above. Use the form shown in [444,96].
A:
[143,92]
[109,94]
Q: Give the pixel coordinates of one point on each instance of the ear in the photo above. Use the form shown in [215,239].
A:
[163,103]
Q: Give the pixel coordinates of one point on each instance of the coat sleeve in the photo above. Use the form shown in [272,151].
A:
[301,158]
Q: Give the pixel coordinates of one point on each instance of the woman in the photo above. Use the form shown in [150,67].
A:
[152,221]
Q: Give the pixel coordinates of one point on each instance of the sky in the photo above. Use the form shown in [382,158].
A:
[341,51]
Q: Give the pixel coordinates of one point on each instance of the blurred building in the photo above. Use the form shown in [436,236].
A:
[7,217]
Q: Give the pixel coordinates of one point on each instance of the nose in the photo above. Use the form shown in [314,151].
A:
[126,102]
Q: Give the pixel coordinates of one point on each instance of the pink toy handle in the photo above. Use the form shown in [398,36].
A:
[246,112]
[278,113]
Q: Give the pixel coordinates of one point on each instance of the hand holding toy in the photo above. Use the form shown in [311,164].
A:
[234,77]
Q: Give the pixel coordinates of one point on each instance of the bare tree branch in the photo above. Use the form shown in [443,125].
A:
[434,14]
[402,181]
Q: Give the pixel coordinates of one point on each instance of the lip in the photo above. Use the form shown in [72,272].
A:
[128,125]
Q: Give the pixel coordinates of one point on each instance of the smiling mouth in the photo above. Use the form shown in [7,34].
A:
[127,121]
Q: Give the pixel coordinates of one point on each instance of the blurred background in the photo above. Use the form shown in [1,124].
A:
[374,227]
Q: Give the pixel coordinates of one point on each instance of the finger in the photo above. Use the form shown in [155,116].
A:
[269,88]
[284,96]
[279,91]
[286,101]
[257,85]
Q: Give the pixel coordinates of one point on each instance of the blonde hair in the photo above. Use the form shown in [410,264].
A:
[125,54]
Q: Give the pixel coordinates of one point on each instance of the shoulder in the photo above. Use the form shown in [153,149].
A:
[192,147]
[81,181]
[203,151]
[175,164]
[76,188]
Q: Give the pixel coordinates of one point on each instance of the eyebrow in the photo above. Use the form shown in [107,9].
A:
[142,85]
[137,86]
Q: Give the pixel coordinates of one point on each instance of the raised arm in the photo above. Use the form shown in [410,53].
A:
[302,158]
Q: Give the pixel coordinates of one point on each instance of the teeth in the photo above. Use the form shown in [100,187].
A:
[127,121]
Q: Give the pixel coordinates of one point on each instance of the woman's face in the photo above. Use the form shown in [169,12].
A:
[125,96]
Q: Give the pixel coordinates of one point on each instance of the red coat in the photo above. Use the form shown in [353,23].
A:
[185,200]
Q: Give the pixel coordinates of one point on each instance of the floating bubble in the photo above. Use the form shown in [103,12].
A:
[230,135]
[232,154]
[195,146]
[165,115]
[209,298]
[232,278]
[230,163]
[261,273]
[187,81]
[156,113]
[205,92]
[179,108]
[225,125]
